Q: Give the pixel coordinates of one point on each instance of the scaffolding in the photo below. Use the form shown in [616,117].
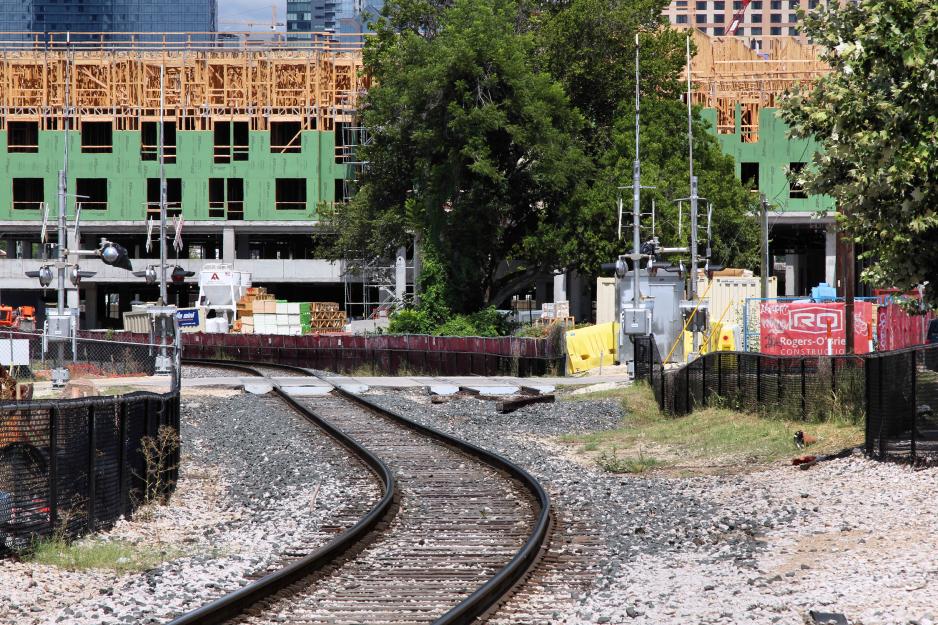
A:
[727,72]
[371,287]
[316,82]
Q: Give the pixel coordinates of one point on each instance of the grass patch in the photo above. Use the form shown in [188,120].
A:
[709,438]
[117,556]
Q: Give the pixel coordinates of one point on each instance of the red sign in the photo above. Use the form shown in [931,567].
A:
[899,329]
[804,328]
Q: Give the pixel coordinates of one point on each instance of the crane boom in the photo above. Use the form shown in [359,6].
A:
[738,18]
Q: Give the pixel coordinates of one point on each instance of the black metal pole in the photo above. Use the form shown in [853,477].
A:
[92,467]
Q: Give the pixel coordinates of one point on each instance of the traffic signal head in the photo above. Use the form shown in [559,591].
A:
[179,274]
[114,255]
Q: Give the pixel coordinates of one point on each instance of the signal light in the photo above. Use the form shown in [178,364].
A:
[179,274]
[114,255]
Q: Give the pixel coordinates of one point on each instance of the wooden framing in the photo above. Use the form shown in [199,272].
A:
[314,83]
[726,72]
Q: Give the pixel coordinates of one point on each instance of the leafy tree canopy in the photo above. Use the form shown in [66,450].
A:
[876,116]
[500,132]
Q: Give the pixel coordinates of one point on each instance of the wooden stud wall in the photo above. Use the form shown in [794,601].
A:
[314,87]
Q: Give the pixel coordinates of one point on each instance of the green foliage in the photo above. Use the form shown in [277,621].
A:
[876,116]
[471,147]
[486,322]
[498,140]
[410,321]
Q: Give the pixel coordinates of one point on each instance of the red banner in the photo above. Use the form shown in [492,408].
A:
[899,329]
[803,328]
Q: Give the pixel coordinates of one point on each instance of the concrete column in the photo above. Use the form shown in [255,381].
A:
[228,245]
[791,274]
[91,305]
[400,273]
[243,246]
[830,256]
[560,288]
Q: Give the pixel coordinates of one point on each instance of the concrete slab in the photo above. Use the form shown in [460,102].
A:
[258,388]
[354,389]
[539,389]
[444,389]
[307,391]
[492,391]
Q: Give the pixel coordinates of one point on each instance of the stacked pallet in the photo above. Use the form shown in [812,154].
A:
[281,317]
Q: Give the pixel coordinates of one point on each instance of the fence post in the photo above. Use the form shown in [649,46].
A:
[778,396]
[703,381]
[92,468]
[913,357]
[122,457]
[758,381]
[687,389]
[804,400]
[53,468]
[719,374]
[879,385]
[833,377]
[867,369]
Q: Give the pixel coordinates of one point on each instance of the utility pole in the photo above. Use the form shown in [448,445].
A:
[846,268]
[764,204]
[636,193]
[163,297]
[694,199]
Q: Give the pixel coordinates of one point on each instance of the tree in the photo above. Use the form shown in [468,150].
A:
[665,167]
[471,147]
[876,118]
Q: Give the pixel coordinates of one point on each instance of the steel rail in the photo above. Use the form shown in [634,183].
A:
[508,577]
[236,602]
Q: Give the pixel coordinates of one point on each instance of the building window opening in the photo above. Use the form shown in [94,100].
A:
[291,194]
[28,193]
[97,137]
[23,137]
[226,198]
[749,123]
[173,197]
[150,140]
[285,137]
[796,189]
[92,193]
[749,175]
[231,141]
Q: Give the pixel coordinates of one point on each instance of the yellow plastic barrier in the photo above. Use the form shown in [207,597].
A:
[588,348]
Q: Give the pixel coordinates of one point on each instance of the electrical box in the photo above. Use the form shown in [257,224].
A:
[636,321]
[701,320]
[59,326]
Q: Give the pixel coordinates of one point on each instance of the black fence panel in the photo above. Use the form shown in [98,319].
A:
[72,466]
[894,393]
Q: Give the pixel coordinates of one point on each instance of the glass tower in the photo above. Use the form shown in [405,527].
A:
[329,16]
[108,16]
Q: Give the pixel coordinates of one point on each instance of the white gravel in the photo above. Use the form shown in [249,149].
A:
[256,485]
[851,535]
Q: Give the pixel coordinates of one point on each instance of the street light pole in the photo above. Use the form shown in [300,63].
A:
[163,296]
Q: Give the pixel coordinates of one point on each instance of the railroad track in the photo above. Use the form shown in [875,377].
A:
[457,528]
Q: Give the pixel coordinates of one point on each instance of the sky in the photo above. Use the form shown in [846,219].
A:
[249,10]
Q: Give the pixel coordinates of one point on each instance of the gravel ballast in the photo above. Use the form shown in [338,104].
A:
[257,484]
[850,535]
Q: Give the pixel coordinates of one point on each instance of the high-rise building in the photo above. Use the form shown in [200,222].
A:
[762,18]
[108,16]
[329,16]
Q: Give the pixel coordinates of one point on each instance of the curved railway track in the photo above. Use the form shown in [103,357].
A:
[456,529]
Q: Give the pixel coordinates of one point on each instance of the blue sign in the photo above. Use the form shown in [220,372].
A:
[188,318]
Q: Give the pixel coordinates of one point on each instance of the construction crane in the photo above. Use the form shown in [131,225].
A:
[738,18]
[272,25]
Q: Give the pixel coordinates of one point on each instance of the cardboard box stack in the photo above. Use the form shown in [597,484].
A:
[270,316]
[248,306]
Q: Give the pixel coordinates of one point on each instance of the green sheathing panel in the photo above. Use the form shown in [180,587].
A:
[127,174]
[774,152]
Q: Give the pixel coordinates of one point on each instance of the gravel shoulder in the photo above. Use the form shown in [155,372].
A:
[257,484]
[764,547]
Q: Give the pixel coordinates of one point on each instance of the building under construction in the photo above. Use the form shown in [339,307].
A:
[258,143]
[740,89]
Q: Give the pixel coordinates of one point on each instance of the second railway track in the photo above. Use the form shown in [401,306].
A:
[466,527]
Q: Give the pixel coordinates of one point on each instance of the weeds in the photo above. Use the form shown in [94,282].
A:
[610,462]
[159,455]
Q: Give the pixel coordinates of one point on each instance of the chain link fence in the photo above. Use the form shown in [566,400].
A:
[88,431]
